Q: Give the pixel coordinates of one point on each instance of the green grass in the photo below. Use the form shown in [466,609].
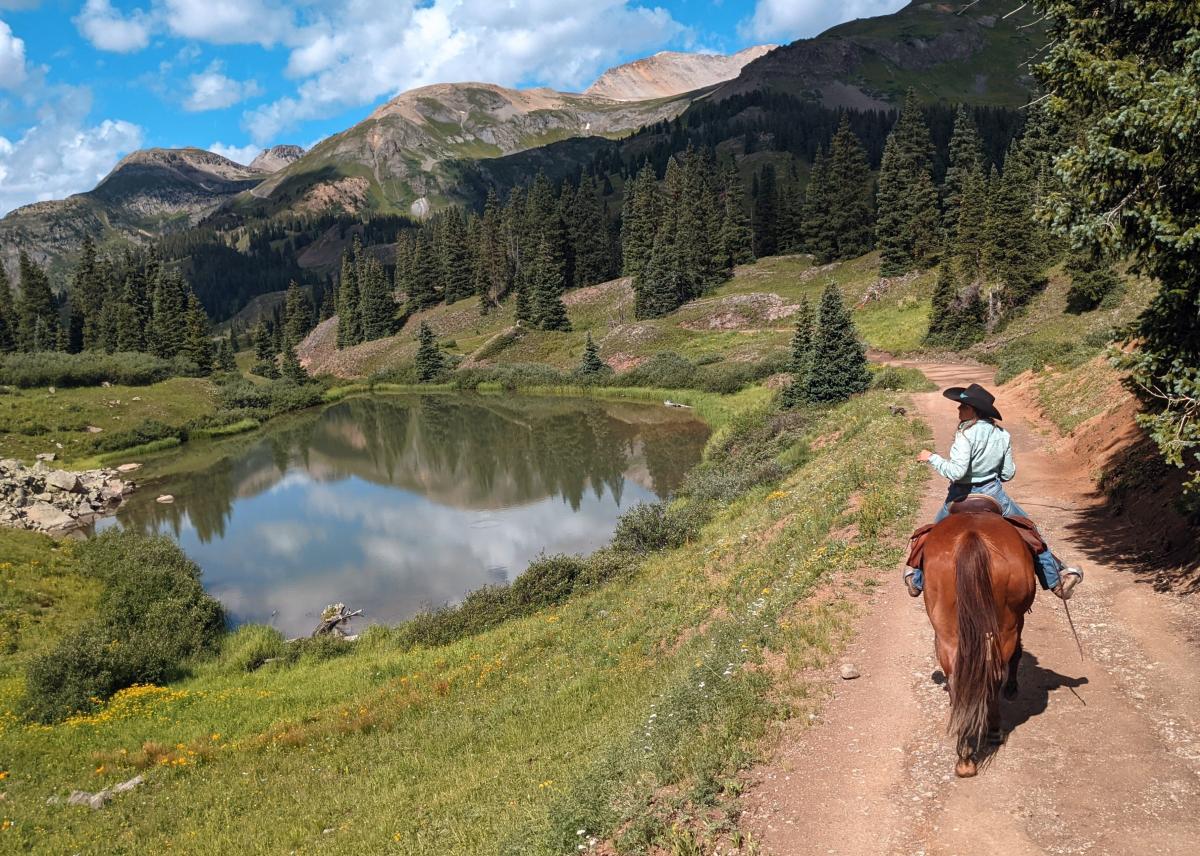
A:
[34,420]
[608,713]
[239,427]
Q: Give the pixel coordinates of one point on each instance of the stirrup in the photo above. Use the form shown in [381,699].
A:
[1070,578]
[911,584]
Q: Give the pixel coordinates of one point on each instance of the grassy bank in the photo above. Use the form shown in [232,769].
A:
[612,713]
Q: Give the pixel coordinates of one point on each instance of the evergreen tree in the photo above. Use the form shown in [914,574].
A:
[737,241]
[848,190]
[549,312]
[430,362]
[168,323]
[377,307]
[591,365]
[818,236]
[226,360]
[349,330]
[290,369]
[969,235]
[796,391]
[945,296]
[495,267]
[264,348]
[839,362]
[456,260]
[1010,254]
[87,295]
[588,227]
[197,344]
[766,202]
[297,314]
[966,166]
[907,223]
[8,315]
[523,305]
[37,313]
[657,291]
[639,221]
[422,292]
[1092,280]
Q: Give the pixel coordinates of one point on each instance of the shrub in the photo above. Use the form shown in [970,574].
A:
[666,370]
[51,368]
[656,526]
[250,646]
[900,378]
[148,432]
[510,377]
[548,580]
[153,615]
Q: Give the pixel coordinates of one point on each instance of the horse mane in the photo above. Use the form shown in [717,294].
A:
[978,664]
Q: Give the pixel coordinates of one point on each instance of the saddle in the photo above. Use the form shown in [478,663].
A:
[976,503]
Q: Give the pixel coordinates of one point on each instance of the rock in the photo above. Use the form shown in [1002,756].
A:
[92,429]
[136,398]
[849,672]
[93,801]
[45,516]
[46,456]
[128,785]
[64,481]
[128,468]
[165,499]
[105,384]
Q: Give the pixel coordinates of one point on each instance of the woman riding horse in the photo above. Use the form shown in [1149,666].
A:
[980,461]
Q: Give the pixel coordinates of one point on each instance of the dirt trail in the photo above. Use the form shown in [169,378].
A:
[1103,755]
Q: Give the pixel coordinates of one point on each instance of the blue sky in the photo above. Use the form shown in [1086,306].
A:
[83,82]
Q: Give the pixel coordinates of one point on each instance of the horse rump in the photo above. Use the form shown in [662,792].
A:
[978,665]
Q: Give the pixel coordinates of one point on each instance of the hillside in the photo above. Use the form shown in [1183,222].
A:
[945,51]
[671,73]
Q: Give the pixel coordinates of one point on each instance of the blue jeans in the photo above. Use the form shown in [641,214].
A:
[1046,567]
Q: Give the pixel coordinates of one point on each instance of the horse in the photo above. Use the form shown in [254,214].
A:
[979,583]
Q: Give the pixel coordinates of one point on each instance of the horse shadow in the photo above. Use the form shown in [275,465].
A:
[1035,685]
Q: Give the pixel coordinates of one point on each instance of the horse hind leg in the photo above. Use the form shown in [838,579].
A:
[1014,662]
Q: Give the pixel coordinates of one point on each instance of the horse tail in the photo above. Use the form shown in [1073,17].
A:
[978,668]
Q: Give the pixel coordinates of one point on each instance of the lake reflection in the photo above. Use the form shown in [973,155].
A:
[393,504]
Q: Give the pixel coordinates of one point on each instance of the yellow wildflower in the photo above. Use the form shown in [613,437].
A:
[547,784]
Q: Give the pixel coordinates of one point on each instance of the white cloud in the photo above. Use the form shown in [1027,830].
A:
[237,154]
[107,29]
[12,58]
[787,20]
[360,50]
[230,22]
[213,90]
[61,154]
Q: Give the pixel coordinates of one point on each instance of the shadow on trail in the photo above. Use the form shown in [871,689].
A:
[1036,683]
[1136,527]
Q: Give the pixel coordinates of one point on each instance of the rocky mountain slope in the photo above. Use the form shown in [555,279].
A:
[147,192]
[671,73]
[945,51]
[276,158]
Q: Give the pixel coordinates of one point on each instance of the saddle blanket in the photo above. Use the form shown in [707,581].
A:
[1024,526]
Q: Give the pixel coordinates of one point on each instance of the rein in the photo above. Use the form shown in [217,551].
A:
[1078,644]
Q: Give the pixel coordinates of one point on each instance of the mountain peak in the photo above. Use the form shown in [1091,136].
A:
[277,157]
[671,73]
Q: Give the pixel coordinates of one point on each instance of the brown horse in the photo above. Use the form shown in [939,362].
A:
[979,583]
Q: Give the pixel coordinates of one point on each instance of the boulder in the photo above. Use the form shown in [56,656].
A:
[46,456]
[43,515]
[849,672]
[128,468]
[165,499]
[64,481]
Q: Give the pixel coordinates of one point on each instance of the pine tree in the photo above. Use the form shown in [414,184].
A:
[765,223]
[456,260]
[849,194]
[966,246]
[1092,280]
[87,295]
[907,223]
[197,345]
[349,330]
[226,360]
[297,314]
[523,306]
[430,362]
[1010,254]
[802,355]
[37,313]
[737,241]
[290,369]
[839,362]
[422,291]
[168,323]
[264,350]
[589,235]
[591,364]
[657,291]
[945,296]
[818,236]
[549,312]
[639,221]
[965,167]
[8,315]
[377,307]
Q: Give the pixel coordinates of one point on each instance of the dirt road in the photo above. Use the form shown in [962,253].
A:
[1103,755]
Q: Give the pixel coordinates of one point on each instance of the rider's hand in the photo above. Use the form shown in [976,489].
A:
[924,455]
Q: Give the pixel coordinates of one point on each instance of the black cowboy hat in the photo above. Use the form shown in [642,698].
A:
[977,397]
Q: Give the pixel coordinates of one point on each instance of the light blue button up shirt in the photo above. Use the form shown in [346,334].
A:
[981,452]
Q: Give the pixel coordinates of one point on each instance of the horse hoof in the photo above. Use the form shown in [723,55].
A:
[965,769]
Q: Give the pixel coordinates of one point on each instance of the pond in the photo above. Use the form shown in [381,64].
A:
[399,503]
